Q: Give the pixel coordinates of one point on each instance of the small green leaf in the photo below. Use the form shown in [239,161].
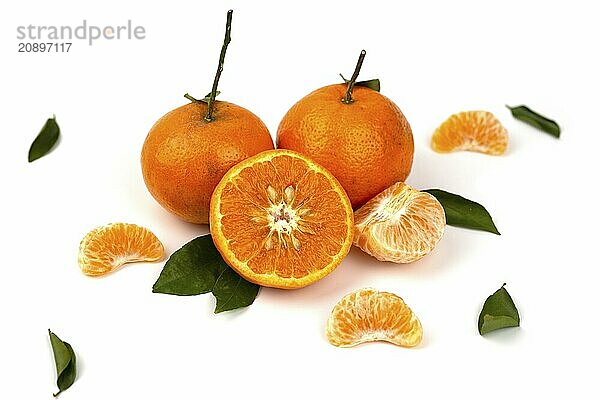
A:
[232,291]
[204,100]
[64,358]
[536,120]
[463,212]
[498,312]
[372,84]
[45,140]
[191,270]
[198,268]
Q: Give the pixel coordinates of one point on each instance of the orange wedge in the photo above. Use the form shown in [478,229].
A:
[108,247]
[478,131]
[368,315]
[400,224]
[281,220]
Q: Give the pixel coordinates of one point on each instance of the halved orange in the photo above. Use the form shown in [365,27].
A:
[400,224]
[367,315]
[281,220]
[478,131]
[108,247]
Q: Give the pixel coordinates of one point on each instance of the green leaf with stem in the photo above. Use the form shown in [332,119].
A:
[45,140]
[232,291]
[527,115]
[498,312]
[198,268]
[191,270]
[463,212]
[64,358]
[372,84]
[204,100]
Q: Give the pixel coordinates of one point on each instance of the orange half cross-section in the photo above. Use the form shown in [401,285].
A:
[281,220]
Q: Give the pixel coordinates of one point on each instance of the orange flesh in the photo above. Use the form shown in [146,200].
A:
[368,315]
[108,247]
[280,220]
[478,131]
[400,224]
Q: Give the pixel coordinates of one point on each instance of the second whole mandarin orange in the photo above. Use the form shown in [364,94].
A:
[365,141]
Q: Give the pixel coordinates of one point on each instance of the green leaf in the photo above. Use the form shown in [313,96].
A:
[64,358]
[498,312]
[372,84]
[191,270]
[463,212]
[204,100]
[198,268]
[45,140]
[232,291]
[527,115]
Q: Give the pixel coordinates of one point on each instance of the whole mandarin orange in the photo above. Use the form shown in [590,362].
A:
[185,156]
[367,143]
[188,150]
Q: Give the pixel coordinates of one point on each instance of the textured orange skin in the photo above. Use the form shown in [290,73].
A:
[367,145]
[184,157]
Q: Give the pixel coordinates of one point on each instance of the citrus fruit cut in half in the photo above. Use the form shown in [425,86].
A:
[281,220]
[400,224]
[478,131]
[108,247]
[368,316]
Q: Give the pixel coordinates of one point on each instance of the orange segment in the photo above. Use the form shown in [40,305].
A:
[108,247]
[281,220]
[368,315]
[478,131]
[400,224]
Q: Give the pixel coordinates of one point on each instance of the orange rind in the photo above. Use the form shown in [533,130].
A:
[281,220]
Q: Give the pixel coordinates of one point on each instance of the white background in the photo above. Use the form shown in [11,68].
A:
[433,59]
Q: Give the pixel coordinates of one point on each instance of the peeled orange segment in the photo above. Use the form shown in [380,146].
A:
[281,220]
[368,315]
[108,247]
[478,131]
[400,224]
